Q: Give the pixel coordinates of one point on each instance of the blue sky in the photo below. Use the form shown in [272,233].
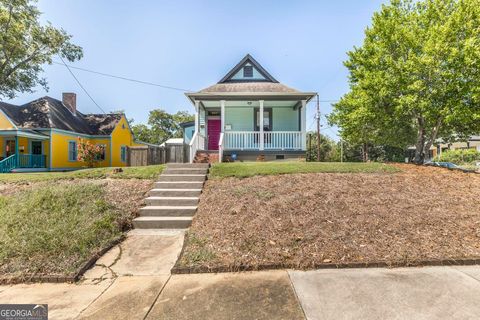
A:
[192,44]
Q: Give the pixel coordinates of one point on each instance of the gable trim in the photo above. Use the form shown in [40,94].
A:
[238,66]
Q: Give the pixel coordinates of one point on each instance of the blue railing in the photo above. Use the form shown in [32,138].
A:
[31,161]
[9,163]
[23,161]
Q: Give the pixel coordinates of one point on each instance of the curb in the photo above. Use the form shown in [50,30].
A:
[349,265]
[63,278]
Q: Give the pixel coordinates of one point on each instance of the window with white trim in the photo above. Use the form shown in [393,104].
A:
[72,150]
[123,153]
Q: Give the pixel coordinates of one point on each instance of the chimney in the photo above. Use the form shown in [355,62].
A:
[69,99]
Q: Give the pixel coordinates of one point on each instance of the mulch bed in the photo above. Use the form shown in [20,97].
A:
[420,216]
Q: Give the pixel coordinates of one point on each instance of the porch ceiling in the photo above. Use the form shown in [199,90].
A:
[251,103]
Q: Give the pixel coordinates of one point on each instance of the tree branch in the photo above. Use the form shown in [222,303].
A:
[28,59]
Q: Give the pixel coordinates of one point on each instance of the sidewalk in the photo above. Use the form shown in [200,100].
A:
[133,281]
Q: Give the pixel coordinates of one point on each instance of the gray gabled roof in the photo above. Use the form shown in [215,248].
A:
[247,59]
[268,86]
[248,87]
[48,112]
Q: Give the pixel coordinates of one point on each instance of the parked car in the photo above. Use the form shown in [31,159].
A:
[449,165]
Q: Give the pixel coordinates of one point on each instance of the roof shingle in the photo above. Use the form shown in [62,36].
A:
[47,112]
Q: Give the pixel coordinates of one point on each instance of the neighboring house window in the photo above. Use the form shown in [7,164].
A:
[72,151]
[123,154]
[248,72]
[101,155]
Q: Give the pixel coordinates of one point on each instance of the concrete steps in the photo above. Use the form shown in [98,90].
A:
[168,211]
[182,177]
[194,171]
[162,222]
[175,192]
[188,165]
[179,185]
[173,202]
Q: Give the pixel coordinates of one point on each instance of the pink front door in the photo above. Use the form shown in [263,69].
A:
[213,133]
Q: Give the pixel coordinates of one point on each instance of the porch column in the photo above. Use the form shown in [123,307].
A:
[197,110]
[303,122]
[262,142]
[222,115]
[17,152]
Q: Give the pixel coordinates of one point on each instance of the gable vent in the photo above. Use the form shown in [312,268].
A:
[248,71]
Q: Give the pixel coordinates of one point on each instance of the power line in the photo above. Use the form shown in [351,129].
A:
[123,78]
[81,86]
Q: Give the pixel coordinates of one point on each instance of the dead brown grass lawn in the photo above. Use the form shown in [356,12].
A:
[302,220]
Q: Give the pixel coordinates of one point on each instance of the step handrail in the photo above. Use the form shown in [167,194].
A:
[8,164]
[220,148]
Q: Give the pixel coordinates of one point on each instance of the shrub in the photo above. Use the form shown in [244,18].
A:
[460,156]
[88,152]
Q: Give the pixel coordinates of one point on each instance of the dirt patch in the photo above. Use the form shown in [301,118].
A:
[128,196]
[303,220]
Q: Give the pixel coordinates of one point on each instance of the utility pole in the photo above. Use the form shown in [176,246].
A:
[318,128]
[309,156]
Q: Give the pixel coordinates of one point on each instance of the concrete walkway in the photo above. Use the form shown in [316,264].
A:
[150,292]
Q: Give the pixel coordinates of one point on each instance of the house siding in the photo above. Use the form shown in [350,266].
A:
[5,123]
[242,118]
[121,136]
[60,143]
[285,119]
[256,75]
[239,118]
[188,134]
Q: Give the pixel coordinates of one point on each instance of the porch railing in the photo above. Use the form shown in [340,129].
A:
[9,163]
[23,161]
[32,161]
[273,140]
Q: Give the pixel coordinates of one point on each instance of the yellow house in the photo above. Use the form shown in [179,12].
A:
[43,135]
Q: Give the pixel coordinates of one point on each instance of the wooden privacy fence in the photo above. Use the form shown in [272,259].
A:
[177,153]
[150,155]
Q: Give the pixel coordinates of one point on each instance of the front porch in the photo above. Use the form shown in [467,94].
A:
[232,127]
[22,150]
[249,110]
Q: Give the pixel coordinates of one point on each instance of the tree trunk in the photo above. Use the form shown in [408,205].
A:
[433,137]
[420,145]
[365,156]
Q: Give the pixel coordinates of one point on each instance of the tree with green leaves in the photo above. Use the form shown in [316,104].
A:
[161,126]
[328,148]
[416,78]
[26,45]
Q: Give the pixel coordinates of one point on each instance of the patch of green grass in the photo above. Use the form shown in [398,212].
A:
[200,255]
[248,169]
[54,229]
[148,172]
